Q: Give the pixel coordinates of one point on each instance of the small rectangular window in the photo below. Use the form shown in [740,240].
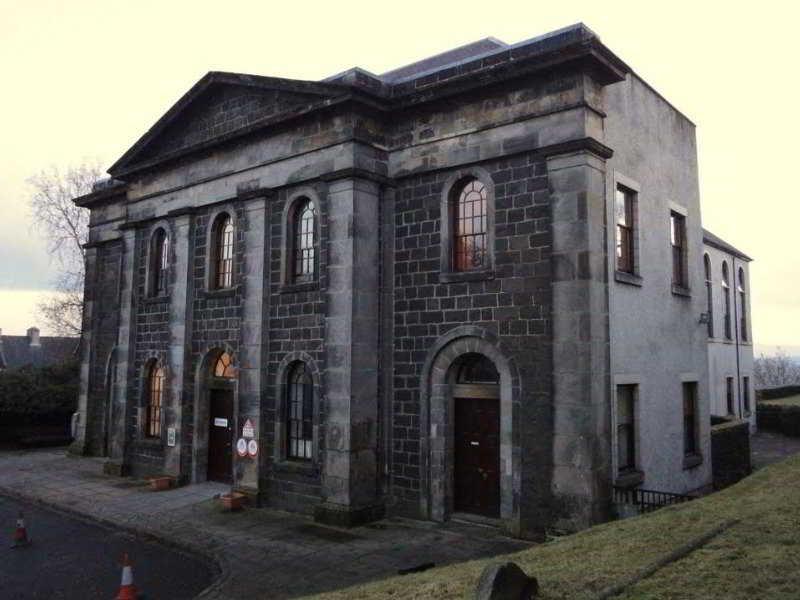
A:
[729,394]
[690,418]
[678,241]
[746,393]
[626,428]
[625,218]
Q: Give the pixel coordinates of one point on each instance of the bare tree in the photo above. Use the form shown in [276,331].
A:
[65,228]
[775,371]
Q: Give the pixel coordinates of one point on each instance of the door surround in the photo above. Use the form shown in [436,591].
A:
[204,383]
[437,412]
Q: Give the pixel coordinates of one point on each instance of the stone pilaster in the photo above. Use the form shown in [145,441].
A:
[350,468]
[581,449]
[178,349]
[252,376]
[80,444]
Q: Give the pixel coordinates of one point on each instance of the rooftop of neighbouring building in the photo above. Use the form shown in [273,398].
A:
[35,350]
[720,244]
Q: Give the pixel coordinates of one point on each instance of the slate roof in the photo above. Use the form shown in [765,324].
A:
[717,242]
[16,351]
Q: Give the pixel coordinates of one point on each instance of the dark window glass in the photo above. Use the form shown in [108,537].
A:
[742,306]
[224,253]
[729,394]
[155,390]
[678,240]
[304,242]
[626,428]
[159,263]
[476,368]
[300,410]
[726,296]
[746,393]
[690,418]
[709,296]
[624,215]
[470,224]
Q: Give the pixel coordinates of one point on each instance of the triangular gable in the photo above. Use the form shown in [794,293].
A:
[218,105]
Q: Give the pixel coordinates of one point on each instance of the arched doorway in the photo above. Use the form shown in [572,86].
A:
[476,435]
[220,423]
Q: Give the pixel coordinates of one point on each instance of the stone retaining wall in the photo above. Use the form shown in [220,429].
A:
[730,452]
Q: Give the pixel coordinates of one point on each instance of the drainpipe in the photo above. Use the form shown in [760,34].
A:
[735,290]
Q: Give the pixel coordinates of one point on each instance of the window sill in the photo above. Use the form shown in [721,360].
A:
[291,288]
[460,276]
[627,278]
[690,461]
[307,468]
[629,479]
[156,300]
[220,293]
[679,290]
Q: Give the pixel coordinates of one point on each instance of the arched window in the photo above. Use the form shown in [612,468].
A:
[742,305]
[155,390]
[709,296]
[299,413]
[223,252]
[304,242]
[159,262]
[726,295]
[476,368]
[469,219]
[223,367]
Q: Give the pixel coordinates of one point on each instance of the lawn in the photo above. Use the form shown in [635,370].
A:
[788,401]
[756,557]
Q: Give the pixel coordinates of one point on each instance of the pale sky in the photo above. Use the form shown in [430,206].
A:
[83,80]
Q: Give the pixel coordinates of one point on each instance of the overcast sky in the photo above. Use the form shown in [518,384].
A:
[83,80]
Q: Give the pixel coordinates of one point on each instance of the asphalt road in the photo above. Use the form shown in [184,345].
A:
[71,558]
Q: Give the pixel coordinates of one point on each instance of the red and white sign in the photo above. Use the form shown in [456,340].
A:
[241,447]
[248,431]
[252,448]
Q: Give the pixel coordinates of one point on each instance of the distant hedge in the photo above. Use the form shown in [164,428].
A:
[40,391]
[778,392]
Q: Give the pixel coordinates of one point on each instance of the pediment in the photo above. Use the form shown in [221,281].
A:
[218,106]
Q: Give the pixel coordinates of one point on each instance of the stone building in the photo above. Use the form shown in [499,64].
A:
[445,290]
[730,343]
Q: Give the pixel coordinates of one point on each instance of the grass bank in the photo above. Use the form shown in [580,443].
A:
[757,557]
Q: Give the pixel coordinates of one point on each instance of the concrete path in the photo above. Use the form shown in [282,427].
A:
[261,553]
[767,447]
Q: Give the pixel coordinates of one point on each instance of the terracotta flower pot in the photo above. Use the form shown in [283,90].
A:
[233,501]
[158,484]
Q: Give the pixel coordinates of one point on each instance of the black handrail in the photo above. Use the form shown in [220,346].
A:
[648,500]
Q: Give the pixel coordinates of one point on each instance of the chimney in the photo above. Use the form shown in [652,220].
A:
[33,336]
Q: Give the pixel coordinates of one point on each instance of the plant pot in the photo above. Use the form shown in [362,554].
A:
[233,501]
[159,484]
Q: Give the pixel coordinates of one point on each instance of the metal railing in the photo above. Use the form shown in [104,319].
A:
[648,500]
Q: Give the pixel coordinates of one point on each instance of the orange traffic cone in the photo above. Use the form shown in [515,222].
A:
[127,591]
[21,533]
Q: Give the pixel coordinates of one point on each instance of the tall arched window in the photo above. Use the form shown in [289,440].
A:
[155,390]
[469,218]
[709,296]
[159,262]
[299,413]
[742,305]
[223,252]
[304,242]
[726,295]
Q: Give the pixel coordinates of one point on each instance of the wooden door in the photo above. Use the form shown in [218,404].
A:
[477,456]
[220,436]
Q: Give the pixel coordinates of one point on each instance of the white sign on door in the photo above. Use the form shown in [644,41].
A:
[220,422]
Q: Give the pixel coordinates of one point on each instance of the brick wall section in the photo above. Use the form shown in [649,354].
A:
[515,305]
[730,453]
[295,323]
[105,324]
[151,340]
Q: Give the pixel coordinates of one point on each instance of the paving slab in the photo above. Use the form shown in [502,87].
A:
[260,553]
